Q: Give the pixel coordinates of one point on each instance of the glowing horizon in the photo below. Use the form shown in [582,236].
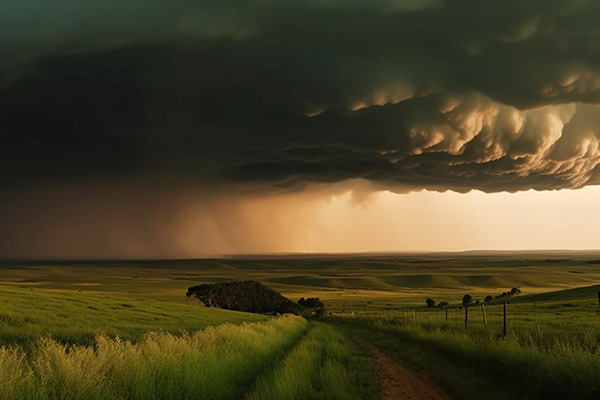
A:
[114,223]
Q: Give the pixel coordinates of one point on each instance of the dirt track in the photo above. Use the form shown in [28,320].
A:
[398,382]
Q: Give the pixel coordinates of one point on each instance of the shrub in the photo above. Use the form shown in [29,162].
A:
[467,299]
[311,302]
[248,296]
[430,302]
[507,295]
[313,307]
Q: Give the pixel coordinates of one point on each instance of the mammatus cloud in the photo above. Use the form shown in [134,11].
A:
[244,99]
[439,95]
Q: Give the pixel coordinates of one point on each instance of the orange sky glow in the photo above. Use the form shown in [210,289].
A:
[431,221]
[136,223]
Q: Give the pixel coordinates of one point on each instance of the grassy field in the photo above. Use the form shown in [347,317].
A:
[128,327]
[76,318]
[324,365]
[283,358]
[551,350]
[344,282]
[215,363]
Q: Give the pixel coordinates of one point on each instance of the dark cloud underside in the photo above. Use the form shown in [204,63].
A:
[272,95]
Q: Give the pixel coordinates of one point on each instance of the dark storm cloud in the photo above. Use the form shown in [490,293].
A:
[273,95]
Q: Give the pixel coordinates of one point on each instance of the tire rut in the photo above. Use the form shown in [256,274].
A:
[399,382]
[243,393]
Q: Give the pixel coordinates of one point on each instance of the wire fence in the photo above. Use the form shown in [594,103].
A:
[500,316]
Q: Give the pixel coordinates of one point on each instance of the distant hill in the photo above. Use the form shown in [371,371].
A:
[587,292]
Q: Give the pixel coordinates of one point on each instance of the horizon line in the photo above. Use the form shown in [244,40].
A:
[305,254]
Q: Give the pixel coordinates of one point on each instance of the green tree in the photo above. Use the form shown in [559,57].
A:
[467,299]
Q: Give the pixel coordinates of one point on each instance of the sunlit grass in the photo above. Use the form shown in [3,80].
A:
[62,343]
[324,365]
[76,318]
[215,363]
[551,351]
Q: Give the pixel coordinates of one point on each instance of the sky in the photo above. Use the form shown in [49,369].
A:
[168,129]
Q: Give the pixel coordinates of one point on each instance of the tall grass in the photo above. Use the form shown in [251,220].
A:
[521,365]
[559,369]
[216,363]
[324,365]
[76,318]
[575,323]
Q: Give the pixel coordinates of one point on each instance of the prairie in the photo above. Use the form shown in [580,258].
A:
[551,349]
[342,280]
[129,326]
[76,318]
[214,363]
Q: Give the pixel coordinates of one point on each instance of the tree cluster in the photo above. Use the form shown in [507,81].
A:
[311,302]
[313,307]
[468,300]
[504,296]
[443,304]
[431,303]
[248,296]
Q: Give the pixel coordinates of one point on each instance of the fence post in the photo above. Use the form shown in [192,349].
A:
[483,313]
[446,314]
[504,319]
[466,316]
[413,313]
[598,297]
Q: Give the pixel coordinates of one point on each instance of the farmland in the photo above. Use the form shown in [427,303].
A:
[130,327]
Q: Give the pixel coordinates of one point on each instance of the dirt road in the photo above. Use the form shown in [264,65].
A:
[398,382]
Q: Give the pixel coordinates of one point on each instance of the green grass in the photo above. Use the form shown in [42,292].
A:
[216,363]
[552,350]
[344,282]
[543,321]
[77,317]
[513,367]
[324,365]
[580,293]
[285,358]
[78,345]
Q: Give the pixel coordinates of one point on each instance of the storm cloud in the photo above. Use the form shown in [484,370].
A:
[272,96]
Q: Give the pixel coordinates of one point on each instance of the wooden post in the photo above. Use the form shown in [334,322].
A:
[483,313]
[466,316]
[446,314]
[504,319]
[413,313]
[599,297]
